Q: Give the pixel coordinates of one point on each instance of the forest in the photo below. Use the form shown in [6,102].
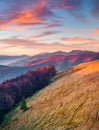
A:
[14,90]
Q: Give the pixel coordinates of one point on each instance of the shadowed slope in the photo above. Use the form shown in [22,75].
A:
[70,102]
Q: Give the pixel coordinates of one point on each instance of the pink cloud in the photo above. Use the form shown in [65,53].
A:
[45,34]
[79,40]
[37,14]
[21,13]
[30,46]
[96,31]
[50,25]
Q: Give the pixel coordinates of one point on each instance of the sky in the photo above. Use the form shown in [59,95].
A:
[37,26]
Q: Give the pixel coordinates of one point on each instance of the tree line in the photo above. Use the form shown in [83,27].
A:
[13,91]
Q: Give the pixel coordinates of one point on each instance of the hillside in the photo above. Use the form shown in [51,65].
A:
[14,90]
[70,102]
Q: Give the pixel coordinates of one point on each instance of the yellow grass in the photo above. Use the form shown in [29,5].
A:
[70,102]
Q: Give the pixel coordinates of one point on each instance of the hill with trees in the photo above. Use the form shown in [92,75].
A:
[13,91]
[70,102]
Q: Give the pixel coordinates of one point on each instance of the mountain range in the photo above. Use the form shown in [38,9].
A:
[5,60]
[61,60]
[42,56]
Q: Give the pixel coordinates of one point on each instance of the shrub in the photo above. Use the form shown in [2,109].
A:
[23,105]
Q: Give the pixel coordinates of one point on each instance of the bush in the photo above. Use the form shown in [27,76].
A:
[23,105]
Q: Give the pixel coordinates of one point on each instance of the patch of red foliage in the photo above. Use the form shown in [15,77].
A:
[12,91]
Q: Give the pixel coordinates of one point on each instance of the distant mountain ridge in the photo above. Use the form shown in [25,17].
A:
[5,59]
[61,62]
[41,56]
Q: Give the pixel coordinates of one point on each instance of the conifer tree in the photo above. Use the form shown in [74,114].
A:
[23,105]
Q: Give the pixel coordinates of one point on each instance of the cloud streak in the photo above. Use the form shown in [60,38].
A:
[32,47]
[54,24]
[77,8]
[45,34]
[95,9]
[80,40]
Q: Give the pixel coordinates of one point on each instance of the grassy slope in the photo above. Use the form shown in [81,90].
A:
[70,102]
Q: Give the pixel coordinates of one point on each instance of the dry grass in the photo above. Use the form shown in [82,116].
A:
[71,102]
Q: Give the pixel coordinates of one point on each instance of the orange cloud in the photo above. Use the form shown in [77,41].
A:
[79,40]
[25,17]
[28,16]
[97,31]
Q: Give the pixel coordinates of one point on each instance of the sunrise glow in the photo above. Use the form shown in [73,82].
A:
[36,26]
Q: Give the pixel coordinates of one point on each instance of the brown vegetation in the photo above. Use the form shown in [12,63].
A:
[70,103]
